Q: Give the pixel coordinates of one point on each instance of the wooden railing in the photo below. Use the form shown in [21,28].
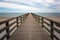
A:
[15,22]
[50,26]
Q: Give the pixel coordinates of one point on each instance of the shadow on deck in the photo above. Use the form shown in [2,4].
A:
[29,29]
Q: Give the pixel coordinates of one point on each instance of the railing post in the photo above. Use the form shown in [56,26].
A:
[7,30]
[21,19]
[52,31]
[38,20]
[36,17]
[42,21]
[17,22]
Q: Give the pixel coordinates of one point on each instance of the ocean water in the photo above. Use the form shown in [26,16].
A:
[10,14]
[18,14]
[49,14]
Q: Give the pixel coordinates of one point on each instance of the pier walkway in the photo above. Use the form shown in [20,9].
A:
[30,30]
[29,27]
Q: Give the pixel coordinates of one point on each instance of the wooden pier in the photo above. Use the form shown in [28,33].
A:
[30,27]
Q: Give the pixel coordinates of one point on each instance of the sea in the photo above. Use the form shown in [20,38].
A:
[18,14]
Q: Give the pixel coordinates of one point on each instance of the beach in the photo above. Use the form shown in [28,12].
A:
[3,18]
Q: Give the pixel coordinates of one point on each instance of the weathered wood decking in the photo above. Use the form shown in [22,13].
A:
[30,29]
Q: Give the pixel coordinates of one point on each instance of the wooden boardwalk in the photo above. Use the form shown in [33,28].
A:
[30,29]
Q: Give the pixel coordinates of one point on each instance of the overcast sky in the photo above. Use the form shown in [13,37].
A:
[20,6]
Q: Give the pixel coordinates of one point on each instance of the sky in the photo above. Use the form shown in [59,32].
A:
[25,6]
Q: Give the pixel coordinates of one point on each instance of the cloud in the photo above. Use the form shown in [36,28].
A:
[44,2]
[33,2]
[23,2]
[19,7]
[50,1]
[17,0]
[16,6]
[32,5]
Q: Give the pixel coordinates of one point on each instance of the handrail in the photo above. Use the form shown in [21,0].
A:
[51,25]
[7,27]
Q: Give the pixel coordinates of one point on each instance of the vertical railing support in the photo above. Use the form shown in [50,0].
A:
[21,19]
[17,22]
[7,30]
[52,32]
[42,21]
[38,19]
